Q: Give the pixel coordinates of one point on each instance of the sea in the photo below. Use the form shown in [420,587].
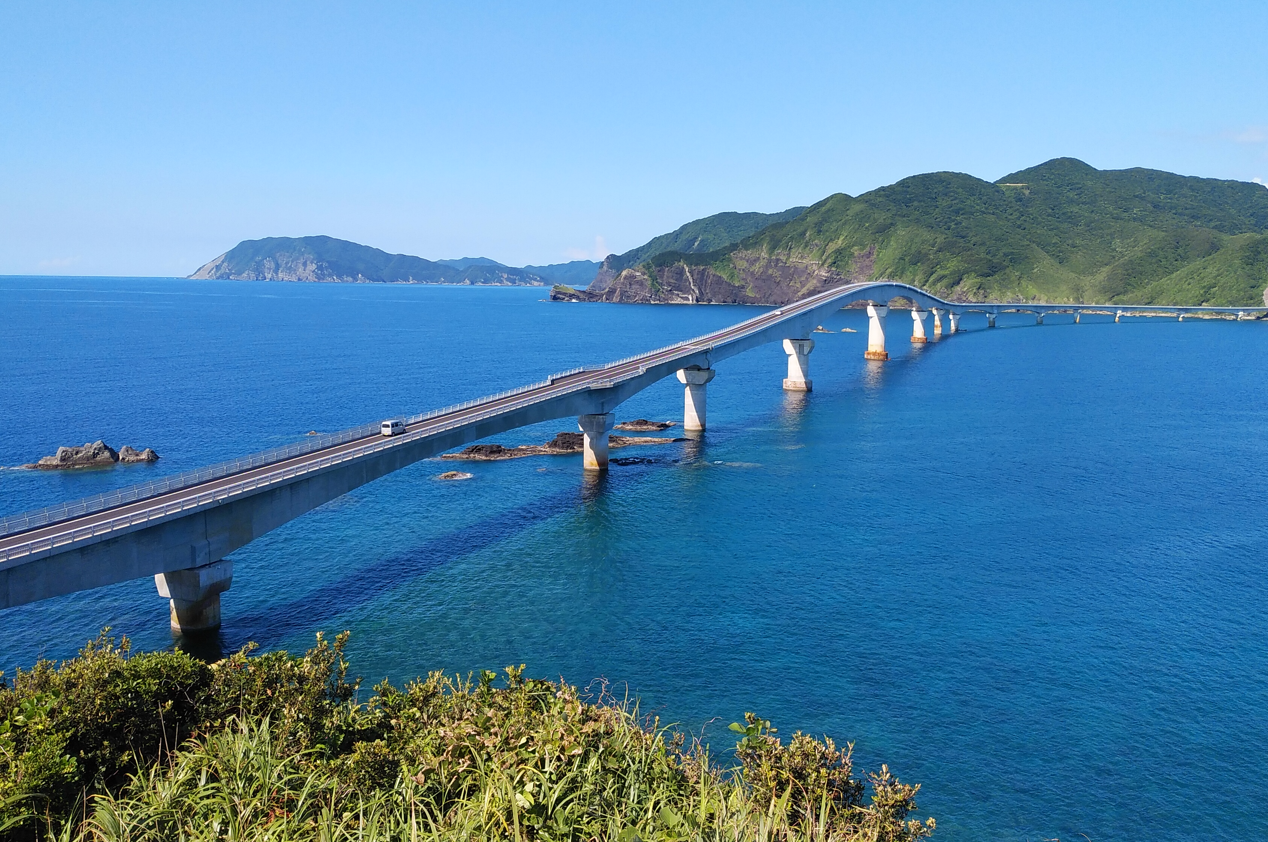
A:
[1024,567]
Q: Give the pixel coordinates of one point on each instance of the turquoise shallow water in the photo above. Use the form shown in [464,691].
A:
[1024,567]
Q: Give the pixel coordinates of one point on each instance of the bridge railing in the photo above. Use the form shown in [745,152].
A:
[107,500]
[164,509]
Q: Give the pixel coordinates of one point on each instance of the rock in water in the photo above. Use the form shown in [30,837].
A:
[95,454]
[129,455]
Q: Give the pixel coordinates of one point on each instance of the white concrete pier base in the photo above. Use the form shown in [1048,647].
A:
[937,321]
[955,321]
[1076,317]
[1118,315]
[876,332]
[595,442]
[693,411]
[1180,317]
[990,320]
[194,595]
[918,326]
[1241,316]
[798,351]
[1038,318]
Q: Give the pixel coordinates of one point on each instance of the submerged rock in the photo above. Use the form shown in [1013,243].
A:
[561,444]
[642,425]
[95,454]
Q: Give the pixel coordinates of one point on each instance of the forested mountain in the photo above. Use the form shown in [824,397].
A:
[1060,232]
[702,235]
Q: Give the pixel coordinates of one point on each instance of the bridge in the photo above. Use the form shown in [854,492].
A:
[181,530]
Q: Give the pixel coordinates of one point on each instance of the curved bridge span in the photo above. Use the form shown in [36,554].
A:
[181,530]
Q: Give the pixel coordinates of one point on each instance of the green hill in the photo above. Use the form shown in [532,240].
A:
[1060,232]
[701,235]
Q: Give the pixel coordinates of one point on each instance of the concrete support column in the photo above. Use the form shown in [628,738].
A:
[1038,318]
[798,351]
[955,321]
[990,320]
[195,595]
[1180,317]
[937,321]
[876,332]
[595,442]
[918,326]
[1240,316]
[1117,315]
[695,379]
[1076,317]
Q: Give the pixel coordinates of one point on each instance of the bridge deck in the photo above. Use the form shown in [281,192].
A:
[579,392]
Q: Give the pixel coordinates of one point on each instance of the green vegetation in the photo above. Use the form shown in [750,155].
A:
[1059,232]
[702,235]
[159,746]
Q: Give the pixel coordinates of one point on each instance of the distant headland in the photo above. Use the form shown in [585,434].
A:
[328,260]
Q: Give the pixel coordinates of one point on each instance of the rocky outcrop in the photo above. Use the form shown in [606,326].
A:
[129,455]
[562,444]
[750,277]
[95,454]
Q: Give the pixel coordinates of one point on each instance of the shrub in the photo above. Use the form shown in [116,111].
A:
[112,746]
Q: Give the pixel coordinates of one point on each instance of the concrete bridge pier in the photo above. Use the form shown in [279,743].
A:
[990,320]
[194,595]
[1038,318]
[595,441]
[918,326]
[876,332]
[955,321]
[798,351]
[1076,317]
[695,379]
[1180,317]
[1118,314]
[937,321]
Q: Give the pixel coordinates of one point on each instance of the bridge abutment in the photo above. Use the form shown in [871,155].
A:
[694,379]
[194,595]
[876,332]
[918,326]
[798,351]
[595,443]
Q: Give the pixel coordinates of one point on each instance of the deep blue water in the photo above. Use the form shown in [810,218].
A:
[1024,567]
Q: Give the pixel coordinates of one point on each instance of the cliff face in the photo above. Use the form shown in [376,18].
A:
[751,278]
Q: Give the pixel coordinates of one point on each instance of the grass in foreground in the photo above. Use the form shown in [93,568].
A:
[158,746]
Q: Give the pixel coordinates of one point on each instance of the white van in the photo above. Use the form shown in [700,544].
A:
[392,427]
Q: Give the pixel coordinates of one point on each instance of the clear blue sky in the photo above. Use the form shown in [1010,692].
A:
[147,138]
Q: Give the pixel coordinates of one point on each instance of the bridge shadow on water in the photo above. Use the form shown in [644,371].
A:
[271,625]
[278,621]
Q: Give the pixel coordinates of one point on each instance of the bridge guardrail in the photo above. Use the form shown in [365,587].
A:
[25,521]
[165,509]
